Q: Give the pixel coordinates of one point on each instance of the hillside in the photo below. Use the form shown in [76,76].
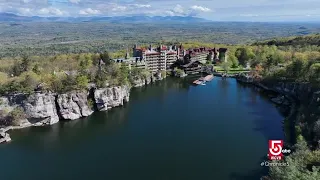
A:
[8,17]
[50,38]
[313,39]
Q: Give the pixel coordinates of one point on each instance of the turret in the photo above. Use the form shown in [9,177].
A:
[127,54]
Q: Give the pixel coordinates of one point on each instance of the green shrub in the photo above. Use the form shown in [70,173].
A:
[91,103]
[82,82]
[163,73]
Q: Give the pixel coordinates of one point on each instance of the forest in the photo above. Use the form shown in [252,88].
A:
[46,39]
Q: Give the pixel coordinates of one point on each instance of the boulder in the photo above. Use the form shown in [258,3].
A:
[73,105]
[107,98]
[138,82]
[4,137]
[148,79]
[41,109]
[158,76]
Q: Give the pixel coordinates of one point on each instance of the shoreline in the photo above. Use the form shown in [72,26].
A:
[286,101]
[45,109]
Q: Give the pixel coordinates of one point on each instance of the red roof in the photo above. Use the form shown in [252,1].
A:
[171,53]
[155,53]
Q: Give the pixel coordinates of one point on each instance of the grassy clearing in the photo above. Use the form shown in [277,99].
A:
[231,70]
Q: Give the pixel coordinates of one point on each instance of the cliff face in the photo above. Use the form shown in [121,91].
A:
[73,105]
[46,108]
[300,91]
[308,109]
[138,82]
[107,98]
[41,109]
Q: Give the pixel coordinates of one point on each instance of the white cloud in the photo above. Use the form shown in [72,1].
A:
[89,11]
[74,1]
[142,5]
[200,8]
[170,13]
[119,8]
[51,11]
[249,15]
[178,9]
[25,11]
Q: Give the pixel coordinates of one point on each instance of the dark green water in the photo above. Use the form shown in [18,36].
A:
[170,130]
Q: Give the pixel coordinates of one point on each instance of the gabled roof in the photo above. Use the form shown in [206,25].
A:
[190,63]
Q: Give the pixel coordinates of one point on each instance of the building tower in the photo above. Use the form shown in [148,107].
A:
[127,54]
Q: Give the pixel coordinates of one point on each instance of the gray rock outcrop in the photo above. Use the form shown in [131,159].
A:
[4,137]
[148,79]
[41,109]
[107,98]
[73,105]
[158,76]
[138,82]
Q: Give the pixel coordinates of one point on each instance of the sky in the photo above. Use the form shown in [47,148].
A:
[216,10]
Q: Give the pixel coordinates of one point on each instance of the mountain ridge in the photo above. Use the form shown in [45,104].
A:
[10,17]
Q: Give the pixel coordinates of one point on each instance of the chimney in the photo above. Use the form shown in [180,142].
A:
[150,47]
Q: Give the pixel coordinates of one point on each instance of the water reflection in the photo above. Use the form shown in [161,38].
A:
[66,132]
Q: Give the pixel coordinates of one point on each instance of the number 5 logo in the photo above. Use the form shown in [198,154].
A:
[275,147]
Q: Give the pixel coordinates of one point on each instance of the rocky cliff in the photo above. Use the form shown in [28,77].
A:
[107,98]
[142,81]
[41,109]
[306,99]
[73,105]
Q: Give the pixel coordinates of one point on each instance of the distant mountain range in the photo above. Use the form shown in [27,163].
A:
[9,17]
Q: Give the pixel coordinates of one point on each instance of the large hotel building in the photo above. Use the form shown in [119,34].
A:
[162,58]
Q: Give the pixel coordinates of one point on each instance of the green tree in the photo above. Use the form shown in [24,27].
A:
[233,60]
[225,66]
[124,72]
[36,69]
[105,57]
[244,55]
[3,78]
[82,82]
[25,63]
[30,81]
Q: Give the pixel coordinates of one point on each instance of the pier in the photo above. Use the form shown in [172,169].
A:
[202,80]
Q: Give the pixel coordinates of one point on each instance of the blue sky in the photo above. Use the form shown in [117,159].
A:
[218,10]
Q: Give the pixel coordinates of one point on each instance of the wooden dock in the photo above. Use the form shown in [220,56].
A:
[203,79]
[209,77]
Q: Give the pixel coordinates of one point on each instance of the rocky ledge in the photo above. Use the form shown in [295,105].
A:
[41,109]
[4,137]
[23,110]
[73,105]
[107,98]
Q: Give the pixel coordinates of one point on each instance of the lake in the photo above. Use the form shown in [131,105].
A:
[170,130]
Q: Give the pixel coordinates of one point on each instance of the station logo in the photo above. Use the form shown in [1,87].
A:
[276,150]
